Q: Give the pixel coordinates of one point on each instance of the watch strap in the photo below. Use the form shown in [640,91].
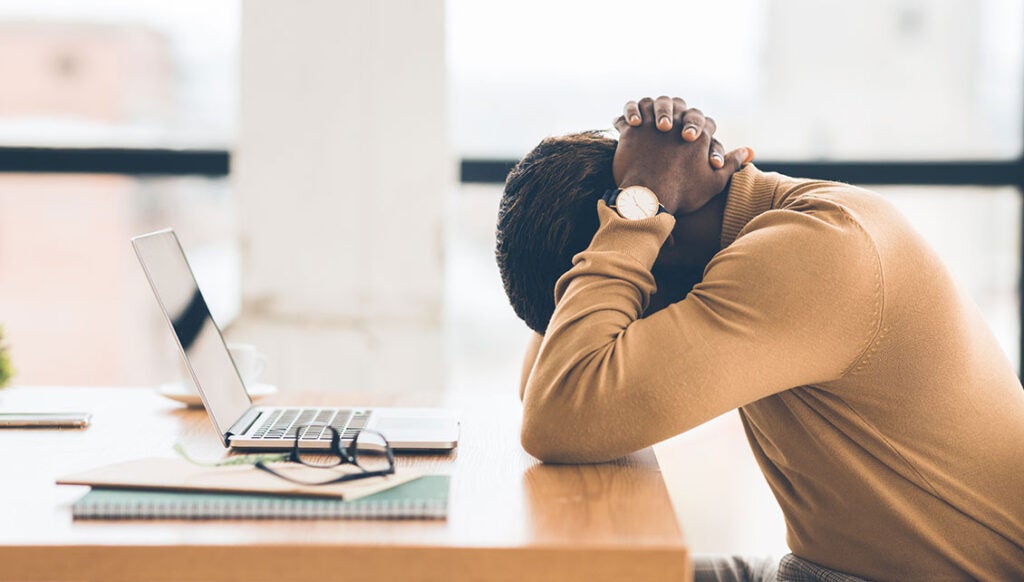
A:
[610,196]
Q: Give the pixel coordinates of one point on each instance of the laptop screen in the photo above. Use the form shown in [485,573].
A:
[200,340]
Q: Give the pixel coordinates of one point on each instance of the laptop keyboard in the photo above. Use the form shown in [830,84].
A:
[285,423]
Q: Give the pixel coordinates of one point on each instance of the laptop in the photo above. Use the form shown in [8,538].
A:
[241,424]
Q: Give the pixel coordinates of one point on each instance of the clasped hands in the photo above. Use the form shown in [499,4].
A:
[671,149]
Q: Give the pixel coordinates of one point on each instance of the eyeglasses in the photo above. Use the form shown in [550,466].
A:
[369,453]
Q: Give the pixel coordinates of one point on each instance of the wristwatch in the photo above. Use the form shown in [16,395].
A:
[634,202]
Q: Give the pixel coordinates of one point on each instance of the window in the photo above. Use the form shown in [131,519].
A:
[873,93]
[107,86]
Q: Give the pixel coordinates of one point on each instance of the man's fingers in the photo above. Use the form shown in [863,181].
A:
[667,112]
[663,113]
[693,124]
[717,154]
[735,159]
[710,127]
[646,107]
[678,110]
[631,114]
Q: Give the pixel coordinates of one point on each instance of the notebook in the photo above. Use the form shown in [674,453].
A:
[422,498]
[179,474]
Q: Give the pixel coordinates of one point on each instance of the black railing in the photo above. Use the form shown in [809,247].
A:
[946,173]
[138,162]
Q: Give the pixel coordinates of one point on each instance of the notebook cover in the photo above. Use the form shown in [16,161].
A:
[422,498]
[181,475]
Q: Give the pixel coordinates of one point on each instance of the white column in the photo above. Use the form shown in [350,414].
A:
[341,171]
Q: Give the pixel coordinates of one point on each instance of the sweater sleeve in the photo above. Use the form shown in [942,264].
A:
[793,301]
[532,349]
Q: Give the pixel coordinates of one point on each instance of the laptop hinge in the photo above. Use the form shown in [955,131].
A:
[242,424]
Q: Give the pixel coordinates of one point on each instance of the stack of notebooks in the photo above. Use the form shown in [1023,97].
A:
[175,489]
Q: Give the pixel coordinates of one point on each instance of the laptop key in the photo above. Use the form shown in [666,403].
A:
[312,432]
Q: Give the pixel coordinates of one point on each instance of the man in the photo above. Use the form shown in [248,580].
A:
[884,415]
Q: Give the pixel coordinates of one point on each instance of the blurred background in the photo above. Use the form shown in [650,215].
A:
[333,170]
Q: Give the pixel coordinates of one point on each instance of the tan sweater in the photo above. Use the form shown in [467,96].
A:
[883,413]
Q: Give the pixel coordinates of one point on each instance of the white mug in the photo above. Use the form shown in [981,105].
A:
[250,362]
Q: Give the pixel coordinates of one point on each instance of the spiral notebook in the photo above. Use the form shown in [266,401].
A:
[422,498]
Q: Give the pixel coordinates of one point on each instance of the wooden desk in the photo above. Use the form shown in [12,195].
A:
[511,518]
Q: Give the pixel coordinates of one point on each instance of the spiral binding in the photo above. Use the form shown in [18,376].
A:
[264,509]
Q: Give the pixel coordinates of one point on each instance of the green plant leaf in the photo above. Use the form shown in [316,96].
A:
[6,370]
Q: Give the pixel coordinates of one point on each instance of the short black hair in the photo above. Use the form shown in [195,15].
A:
[547,215]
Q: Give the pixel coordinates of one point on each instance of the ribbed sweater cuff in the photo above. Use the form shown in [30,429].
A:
[750,193]
[640,239]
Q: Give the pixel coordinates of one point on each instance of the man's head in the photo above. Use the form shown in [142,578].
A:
[547,215]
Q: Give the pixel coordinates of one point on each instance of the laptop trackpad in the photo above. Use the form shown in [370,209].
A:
[389,425]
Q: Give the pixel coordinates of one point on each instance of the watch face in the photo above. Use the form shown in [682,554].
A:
[637,202]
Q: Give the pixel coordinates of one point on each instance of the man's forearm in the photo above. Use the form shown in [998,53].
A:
[574,386]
